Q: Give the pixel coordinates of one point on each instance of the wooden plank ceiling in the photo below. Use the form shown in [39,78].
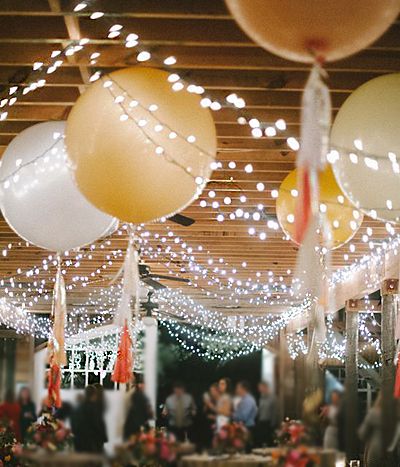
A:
[213,52]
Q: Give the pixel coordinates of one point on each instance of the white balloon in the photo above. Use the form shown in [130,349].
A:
[39,199]
[366,138]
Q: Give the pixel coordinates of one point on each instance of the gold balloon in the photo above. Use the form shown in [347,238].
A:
[299,30]
[140,150]
[341,216]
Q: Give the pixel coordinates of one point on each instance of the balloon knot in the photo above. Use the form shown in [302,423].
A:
[317,48]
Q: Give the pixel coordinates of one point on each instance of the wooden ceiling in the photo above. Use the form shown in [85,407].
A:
[213,52]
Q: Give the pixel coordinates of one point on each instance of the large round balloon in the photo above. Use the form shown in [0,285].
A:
[299,30]
[39,198]
[366,135]
[140,150]
[342,218]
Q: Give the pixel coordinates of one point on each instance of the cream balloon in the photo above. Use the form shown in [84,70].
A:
[299,30]
[140,150]
[38,196]
[366,136]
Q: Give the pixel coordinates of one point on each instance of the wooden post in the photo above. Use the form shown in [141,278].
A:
[390,288]
[351,383]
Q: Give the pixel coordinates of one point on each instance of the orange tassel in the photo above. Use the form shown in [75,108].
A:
[303,205]
[123,369]
[54,386]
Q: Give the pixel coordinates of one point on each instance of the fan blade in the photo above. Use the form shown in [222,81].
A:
[153,283]
[169,278]
[181,220]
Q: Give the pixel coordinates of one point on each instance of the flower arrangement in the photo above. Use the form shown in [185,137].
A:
[231,438]
[292,438]
[9,448]
[49,434]
[153,448]
[292,433]
[295,457]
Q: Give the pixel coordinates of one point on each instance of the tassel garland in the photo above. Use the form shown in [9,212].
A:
[123,369]
[56,346]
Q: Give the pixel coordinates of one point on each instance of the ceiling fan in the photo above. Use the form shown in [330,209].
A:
[150,279]
[149,306]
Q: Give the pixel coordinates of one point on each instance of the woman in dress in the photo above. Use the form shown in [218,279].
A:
[224,404]
[210,401]
[331,438]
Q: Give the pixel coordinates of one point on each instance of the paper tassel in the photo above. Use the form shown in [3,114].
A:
[59,311]
[308,270]
[54,386]
[56,347]
[311,158]
[303,210]
[126,318]
[319,323]
[123,369]
[315,122]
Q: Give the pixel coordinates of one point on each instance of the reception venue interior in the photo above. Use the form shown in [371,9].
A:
[200,233]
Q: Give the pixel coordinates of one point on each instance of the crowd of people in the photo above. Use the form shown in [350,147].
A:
[198,423]
[222,405]
[18,413]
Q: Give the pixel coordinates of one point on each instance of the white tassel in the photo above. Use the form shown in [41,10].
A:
[315,122]
[308,270]
[130,288]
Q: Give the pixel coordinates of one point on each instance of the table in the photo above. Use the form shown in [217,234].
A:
[259,458]
[63,459]
[239,460]
[328,457]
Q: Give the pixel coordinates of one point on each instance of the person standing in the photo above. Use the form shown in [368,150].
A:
[139,413]
[210,402]
[86,424]
[28,411]
[100,421]
[11,412]
[224,404]
[180,410]
[267,419]
[331,412]
[246,410]
[370,432]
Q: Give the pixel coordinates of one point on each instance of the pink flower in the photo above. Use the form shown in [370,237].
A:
[61,434]
[238,444]
[223,434]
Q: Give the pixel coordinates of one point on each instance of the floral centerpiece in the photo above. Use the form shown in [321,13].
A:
[292,433]
[153,448]
[49,434]
[9,448]
[292,451]
[231,438]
